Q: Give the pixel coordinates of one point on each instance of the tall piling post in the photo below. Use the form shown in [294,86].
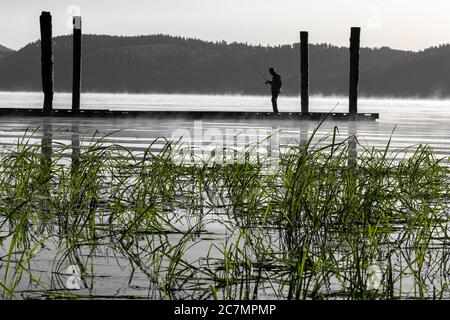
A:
[47,60]
[304,71]
[76,80]
[354,69]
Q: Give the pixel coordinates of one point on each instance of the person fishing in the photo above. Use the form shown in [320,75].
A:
[275,85]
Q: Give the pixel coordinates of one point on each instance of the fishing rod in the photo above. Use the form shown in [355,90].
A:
[258,72]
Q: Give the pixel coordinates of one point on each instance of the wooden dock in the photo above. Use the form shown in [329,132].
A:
[305,114]
[191,115]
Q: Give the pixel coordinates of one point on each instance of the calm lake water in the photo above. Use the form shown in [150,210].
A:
[415,122]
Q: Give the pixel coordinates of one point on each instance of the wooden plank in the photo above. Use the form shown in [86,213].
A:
[192,114]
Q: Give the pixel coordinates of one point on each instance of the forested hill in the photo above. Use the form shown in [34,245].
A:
[166,64]
[4,51]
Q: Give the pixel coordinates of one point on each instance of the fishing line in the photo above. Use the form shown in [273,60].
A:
[257,71]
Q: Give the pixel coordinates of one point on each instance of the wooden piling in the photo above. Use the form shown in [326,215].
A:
[304,71]
[76,80]
[47,60]
[354,70]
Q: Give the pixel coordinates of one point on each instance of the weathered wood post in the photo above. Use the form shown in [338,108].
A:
[76,80]
[304,71]
[354,69]
[47,60]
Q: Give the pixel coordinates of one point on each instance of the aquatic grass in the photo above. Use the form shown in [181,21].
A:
[332,218]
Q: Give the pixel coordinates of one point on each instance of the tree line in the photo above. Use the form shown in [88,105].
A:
[166,64]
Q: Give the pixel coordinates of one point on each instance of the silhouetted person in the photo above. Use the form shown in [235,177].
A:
[275,85]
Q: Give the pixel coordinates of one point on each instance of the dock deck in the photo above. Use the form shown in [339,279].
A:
[250,115]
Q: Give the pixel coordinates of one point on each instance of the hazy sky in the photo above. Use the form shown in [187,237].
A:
[405,24]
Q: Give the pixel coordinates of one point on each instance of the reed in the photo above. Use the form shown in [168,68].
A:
[324,223]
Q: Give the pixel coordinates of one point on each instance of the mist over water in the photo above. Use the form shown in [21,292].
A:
[401,109]
[415,121]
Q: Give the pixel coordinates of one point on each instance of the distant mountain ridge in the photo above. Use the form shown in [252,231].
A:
[4,49]
[167,64]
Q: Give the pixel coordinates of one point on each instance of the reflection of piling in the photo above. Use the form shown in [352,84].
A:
[247,152]
[47,60]
[235,153]
[46,159]
[47,140]
[304,127]
[352,144]
[304,71]
[76,84]
[75,147]
[75,167]
[354,70]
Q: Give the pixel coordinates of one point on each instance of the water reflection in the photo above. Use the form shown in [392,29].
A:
[47,141]
[75,145]
[352,143]
[94,239]
[304,128]
[46,162]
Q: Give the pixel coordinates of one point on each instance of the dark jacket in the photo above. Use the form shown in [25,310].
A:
[276,83]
